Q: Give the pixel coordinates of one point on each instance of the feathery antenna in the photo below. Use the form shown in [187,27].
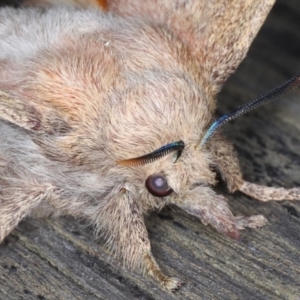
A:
[249,106]
[156,154]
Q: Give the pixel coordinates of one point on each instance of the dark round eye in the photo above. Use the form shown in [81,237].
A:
[157,185]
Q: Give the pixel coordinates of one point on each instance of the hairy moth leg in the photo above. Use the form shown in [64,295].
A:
[16,202]
[255,221]
[213,209]
[121,222]
[151,267]
[227,163]
[265,193]
[130,236]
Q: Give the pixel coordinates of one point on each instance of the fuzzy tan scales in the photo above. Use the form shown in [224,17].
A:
[84,89]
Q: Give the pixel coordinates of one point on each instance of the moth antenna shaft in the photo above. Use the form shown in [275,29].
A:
[249,106]
[156,154]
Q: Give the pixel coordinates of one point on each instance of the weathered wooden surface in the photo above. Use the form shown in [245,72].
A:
[60,259]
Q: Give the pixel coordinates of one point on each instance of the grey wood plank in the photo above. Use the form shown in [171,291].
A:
[60,259]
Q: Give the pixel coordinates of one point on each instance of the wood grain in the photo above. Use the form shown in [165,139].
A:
[60,259]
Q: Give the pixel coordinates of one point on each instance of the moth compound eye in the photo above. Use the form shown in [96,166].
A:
[157,185]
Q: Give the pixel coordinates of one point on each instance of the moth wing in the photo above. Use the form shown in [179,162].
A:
[217,32]
[30,117]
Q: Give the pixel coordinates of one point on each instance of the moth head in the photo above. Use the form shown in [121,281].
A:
[157,183]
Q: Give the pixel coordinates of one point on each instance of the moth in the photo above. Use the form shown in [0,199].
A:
[108,114]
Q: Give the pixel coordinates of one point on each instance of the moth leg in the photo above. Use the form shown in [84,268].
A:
[152,269]
[264,193]
[210,209]
[16,202]
[256,221]
[226,161]
[121,221]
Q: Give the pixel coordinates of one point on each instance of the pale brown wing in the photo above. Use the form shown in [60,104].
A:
[218,32]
